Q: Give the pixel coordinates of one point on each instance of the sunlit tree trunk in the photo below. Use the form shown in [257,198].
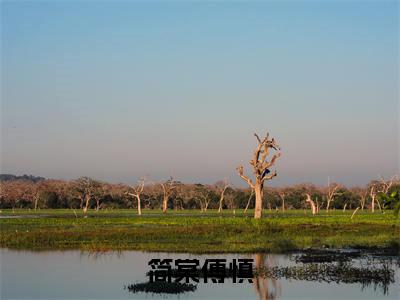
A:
[313,207]
[258,191]
[137,192]
[86,207]
[222,195]
[168,187]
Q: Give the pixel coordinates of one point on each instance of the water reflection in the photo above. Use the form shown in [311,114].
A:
[337,267]
[266,288]
[160,287]
[112,275]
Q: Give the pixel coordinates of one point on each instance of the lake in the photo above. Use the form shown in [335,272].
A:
[83,275]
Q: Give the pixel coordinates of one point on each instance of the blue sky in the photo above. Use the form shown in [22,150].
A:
[117,90]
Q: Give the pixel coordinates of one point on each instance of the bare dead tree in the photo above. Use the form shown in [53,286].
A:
[312,203]
[85,188]
[331,192]
[261,171]
[168,187]
[377,187]
[137,191]
[386,185]
[363,194]
[248,201]
[222,190]
[372,194]
[204,196]
[206,201]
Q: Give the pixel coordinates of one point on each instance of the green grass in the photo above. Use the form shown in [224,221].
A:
[192,231]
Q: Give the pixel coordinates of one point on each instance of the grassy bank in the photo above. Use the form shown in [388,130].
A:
[192,231]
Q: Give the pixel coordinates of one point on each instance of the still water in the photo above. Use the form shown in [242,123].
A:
[83,275]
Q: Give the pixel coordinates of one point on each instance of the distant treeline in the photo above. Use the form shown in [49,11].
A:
[6,177]
[29,191]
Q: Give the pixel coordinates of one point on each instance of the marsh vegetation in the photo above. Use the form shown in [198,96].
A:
[196,231]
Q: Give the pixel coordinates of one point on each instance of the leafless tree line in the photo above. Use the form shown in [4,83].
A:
[85,193]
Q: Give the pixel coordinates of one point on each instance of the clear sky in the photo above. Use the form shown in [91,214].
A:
[117,90]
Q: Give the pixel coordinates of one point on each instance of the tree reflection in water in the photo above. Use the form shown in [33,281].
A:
[338,267]
[266,288]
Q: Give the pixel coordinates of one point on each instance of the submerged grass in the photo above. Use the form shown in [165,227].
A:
[192,231]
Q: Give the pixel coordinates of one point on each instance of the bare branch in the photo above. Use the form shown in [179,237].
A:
[269,177]
[269,164]
[244,177]
[258,138]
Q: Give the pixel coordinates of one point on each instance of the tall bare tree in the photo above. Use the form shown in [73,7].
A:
[375,187]
[261,171]
[331,192]
[85,188]
[222,186]
[204,195]
[362,194]
[137,191]
[168,187]
[373,193]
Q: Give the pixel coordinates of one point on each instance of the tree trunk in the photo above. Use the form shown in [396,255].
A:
[258,191]
[165,204]
[221,200]
[85,209]
[248,202]
[313,206]
[354,212]
[139,207]
[373,204]
[313,209]
[328,204]
[379,204]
